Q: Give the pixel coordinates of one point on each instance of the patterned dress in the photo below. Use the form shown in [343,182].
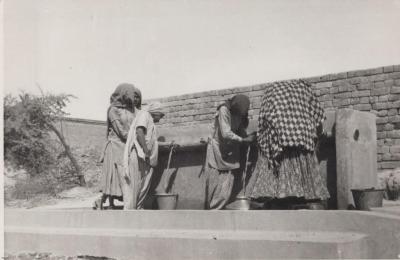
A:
[287,165]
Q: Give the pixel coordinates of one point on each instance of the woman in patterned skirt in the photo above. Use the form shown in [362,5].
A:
[287,166]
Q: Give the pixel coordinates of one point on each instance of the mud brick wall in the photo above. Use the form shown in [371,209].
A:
[84,134]
[375,90]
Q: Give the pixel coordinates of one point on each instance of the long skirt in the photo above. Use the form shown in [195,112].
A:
[112,169]
[298,176]
[136,187]
[219,186]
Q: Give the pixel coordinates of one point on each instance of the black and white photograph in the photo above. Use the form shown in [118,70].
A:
[200,129]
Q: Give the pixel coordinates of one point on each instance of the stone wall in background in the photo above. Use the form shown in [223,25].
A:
[375,90]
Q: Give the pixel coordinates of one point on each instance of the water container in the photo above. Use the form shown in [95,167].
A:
[365,199]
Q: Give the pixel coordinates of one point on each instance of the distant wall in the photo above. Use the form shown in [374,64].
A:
[376,90]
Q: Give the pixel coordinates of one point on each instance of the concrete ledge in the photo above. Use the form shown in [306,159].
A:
[204,234]
[188,244]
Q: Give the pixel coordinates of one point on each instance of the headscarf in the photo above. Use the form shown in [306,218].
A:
[154,107]
[137,91]
[238,104]
[123,96]
[289,116]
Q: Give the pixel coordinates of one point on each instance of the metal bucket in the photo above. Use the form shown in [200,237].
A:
[240,203]
[166,201]
[365,199]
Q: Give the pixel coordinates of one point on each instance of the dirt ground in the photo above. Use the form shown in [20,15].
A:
[49,256]
[77,197]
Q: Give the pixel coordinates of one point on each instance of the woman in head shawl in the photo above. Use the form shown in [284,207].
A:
[223,150]
[140,156]
[123,104]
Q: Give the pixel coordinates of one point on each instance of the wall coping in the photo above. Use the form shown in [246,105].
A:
[260,86]
[255,87]
[84,121]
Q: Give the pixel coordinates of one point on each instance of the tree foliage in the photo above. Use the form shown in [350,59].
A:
[28,122]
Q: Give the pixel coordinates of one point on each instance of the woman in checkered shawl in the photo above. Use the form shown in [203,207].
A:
[287,165]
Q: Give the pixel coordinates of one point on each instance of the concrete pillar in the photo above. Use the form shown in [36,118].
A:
[356,159]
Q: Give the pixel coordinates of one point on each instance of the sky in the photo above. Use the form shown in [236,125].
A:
[87,47]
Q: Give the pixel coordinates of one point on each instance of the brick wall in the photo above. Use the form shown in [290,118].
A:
[375,90]
[82,133]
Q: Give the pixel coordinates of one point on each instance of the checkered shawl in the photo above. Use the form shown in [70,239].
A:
[289,116]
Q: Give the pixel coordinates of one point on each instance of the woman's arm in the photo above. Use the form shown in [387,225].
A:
[141,138]
[127,150]
[226,131]
[225,125]
[116,124]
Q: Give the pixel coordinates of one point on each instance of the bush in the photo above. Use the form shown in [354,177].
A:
[33,143]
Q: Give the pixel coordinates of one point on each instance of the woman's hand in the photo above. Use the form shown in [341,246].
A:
[126,175]
[249,139]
